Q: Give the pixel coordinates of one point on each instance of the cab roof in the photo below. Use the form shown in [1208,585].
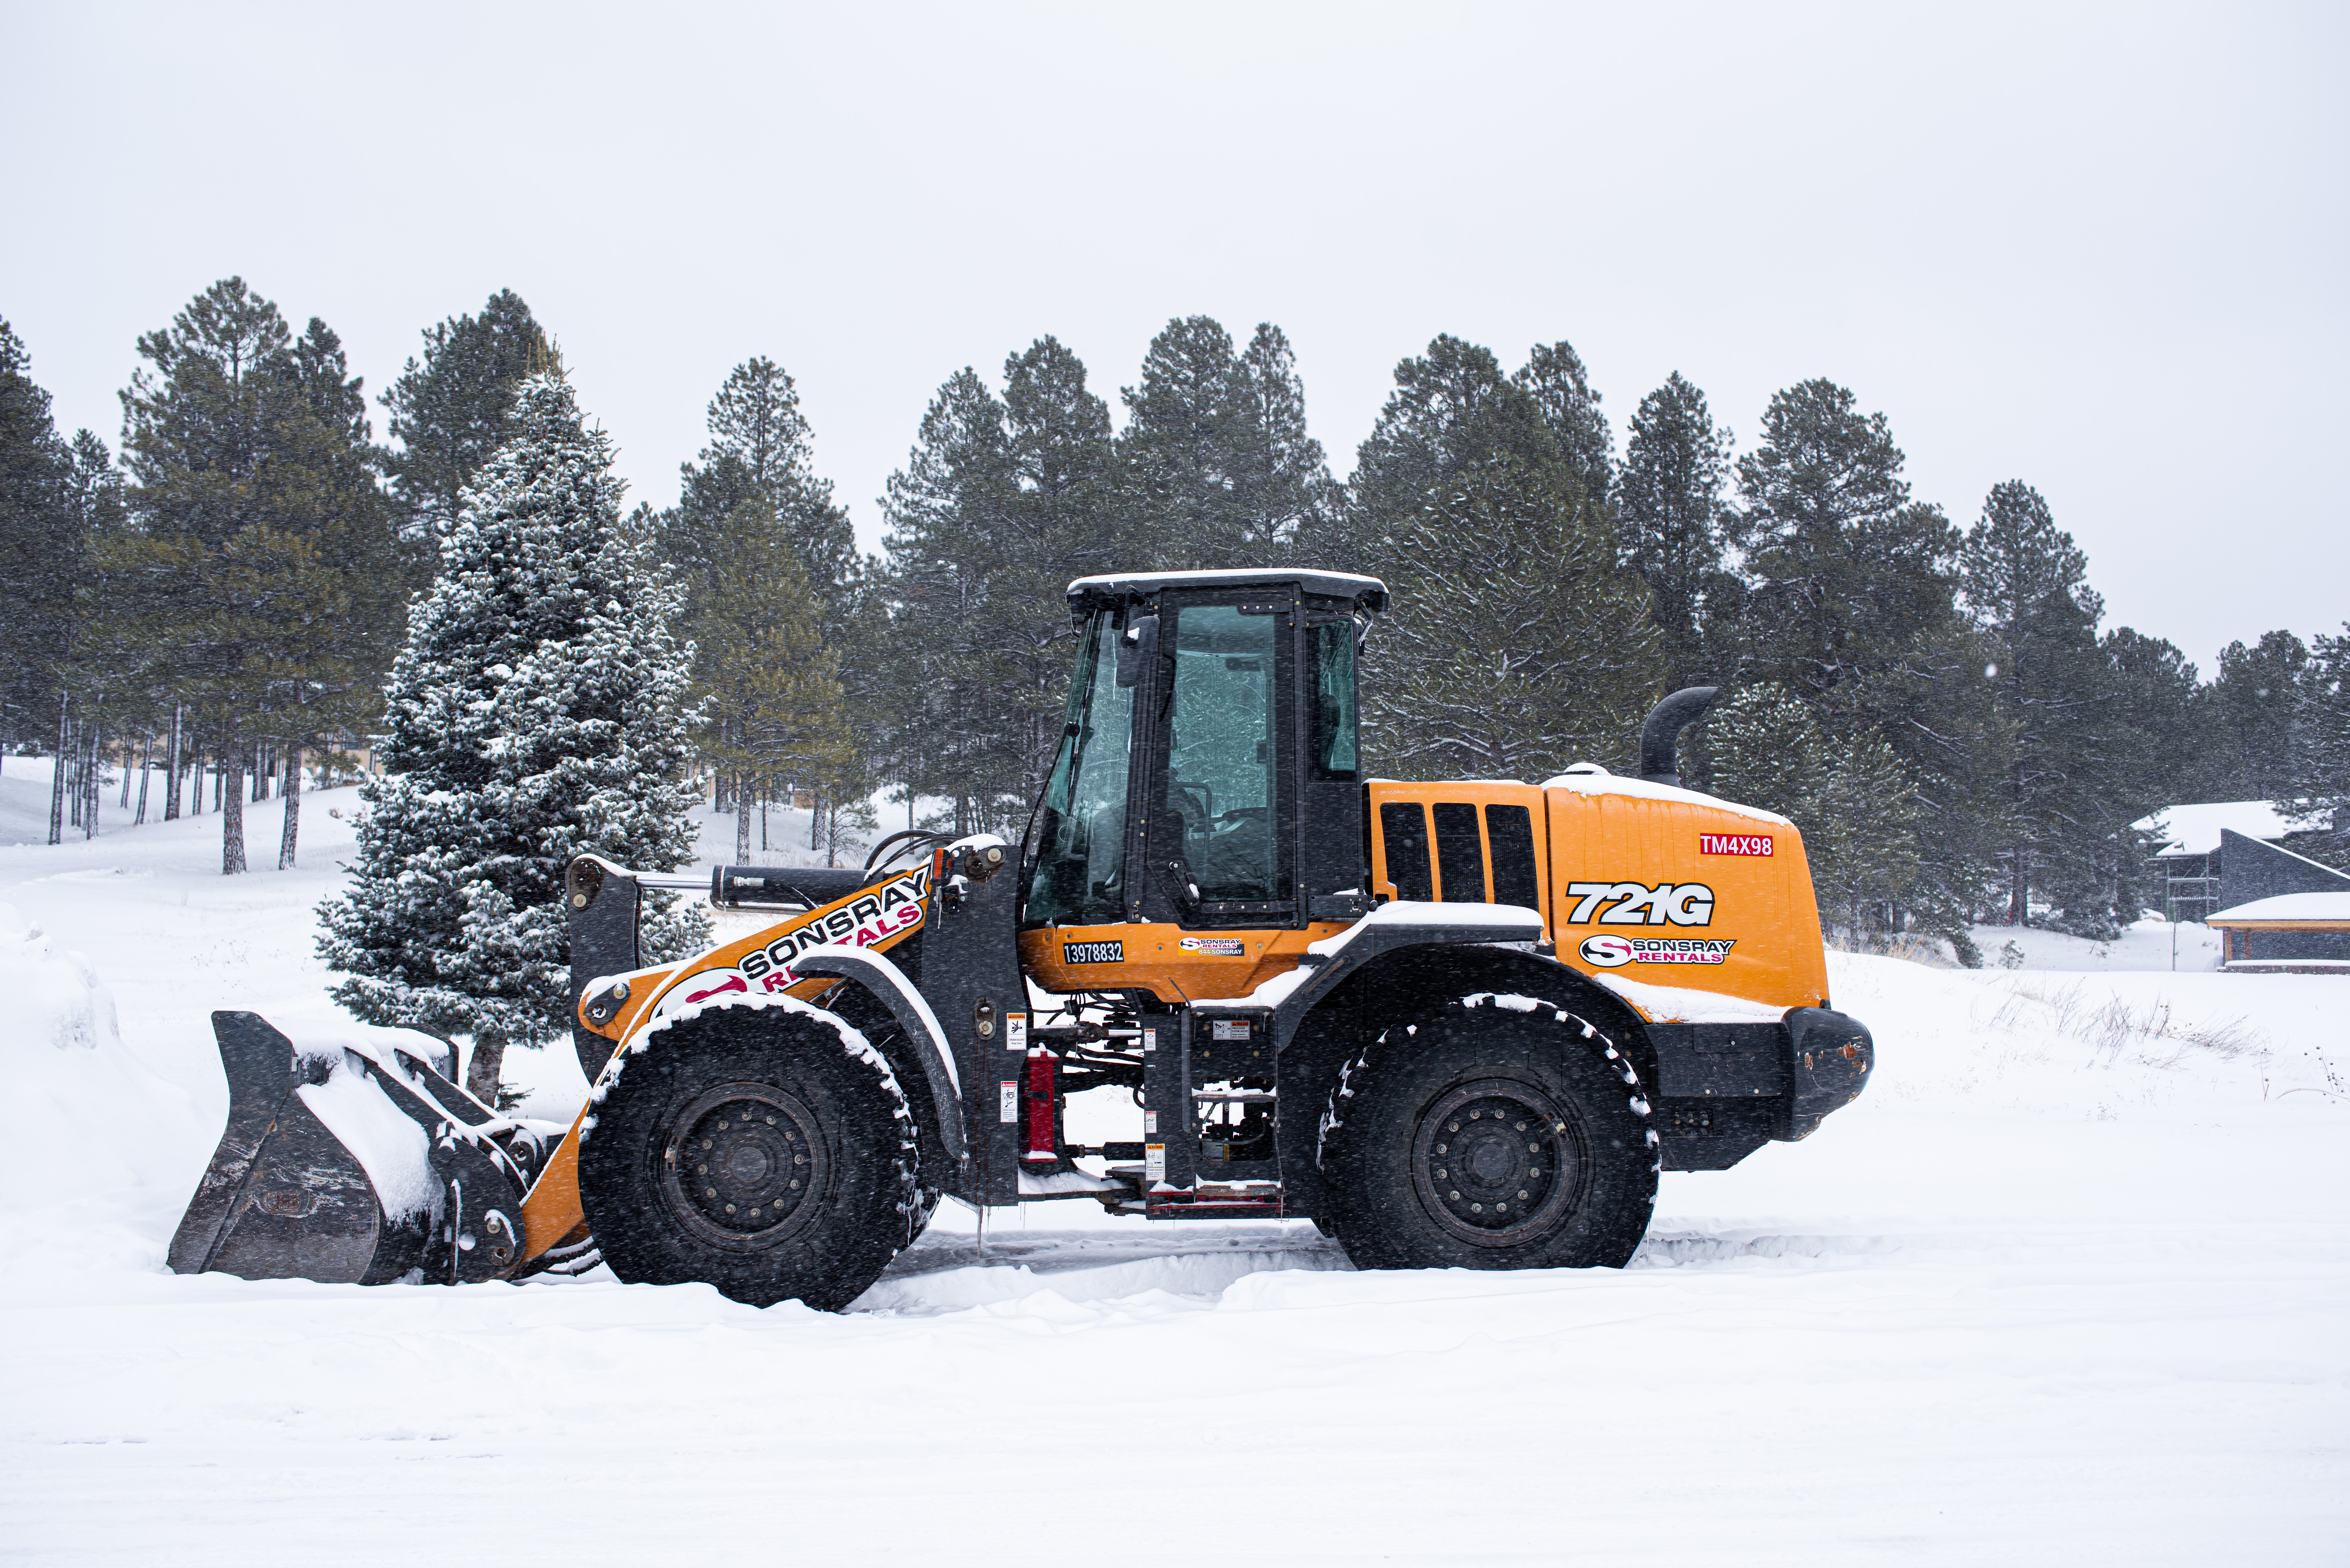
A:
[1367,593]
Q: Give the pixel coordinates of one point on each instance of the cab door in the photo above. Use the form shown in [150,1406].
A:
[1217,831]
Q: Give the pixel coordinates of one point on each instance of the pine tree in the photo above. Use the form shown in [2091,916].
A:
[1001,503]
[1852,801]
[1452,410]
[1554,378]
[2246,717]
[1844,572]
[2150,748]
[1849,602]
[761,450]
[535,715]
[2061,802]
[261,578]
[2318,787]
[1281,480]
[1517,645]
[1668,522]
[766,686]
[449,410]
[42,552]
[1215,463]
[762,456]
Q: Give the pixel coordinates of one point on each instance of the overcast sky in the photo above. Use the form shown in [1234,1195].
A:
[2100,250]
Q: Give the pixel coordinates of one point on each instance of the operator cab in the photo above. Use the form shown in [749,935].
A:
[1209,773]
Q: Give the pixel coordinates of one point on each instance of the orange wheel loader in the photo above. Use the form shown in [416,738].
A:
[1458,1024]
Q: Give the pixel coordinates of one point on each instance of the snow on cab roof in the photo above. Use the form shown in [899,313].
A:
[2195,829]
[2287,907]
[1331,585]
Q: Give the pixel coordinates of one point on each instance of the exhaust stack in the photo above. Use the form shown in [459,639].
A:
[1660,732]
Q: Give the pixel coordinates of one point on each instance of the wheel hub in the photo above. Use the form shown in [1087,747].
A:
[739,1164]
[1495,1161]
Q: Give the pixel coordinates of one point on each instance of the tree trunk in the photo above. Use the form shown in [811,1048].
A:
[232,792]
[293,793]
[483,1071]
[741,825]
[146,766]
[2019,907]
[171,770]
[57,777]
[815,817]
[90,782]
[125,802]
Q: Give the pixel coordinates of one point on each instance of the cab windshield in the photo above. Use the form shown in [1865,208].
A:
[1080,875]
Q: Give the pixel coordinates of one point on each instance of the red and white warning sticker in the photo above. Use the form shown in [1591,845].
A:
[1007,1101]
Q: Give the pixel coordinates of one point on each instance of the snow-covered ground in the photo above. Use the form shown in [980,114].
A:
[2069,1284]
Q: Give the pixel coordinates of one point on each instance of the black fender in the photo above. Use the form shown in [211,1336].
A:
[892,989]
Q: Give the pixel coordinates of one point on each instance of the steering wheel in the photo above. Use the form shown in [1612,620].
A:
[1199,801]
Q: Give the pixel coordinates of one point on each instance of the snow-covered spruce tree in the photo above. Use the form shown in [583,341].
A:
[535,714]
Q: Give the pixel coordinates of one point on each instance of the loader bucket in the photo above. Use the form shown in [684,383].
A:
[349,1165]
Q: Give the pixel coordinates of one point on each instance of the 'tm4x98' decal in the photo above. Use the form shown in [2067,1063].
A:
[1637,903]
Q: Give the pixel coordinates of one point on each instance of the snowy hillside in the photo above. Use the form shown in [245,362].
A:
[2067,1285]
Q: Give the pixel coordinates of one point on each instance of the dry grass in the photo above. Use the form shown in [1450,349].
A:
[2112,1026]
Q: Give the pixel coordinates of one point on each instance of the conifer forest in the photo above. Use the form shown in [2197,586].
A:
[441,580]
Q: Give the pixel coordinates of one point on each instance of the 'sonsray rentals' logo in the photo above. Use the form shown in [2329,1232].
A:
[1610,952]
[875,918]
[1226,947]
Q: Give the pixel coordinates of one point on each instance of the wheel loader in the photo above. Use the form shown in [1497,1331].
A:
[1458,1024]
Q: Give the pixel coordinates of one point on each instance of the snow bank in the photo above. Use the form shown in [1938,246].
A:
[84,1116]
[54,996]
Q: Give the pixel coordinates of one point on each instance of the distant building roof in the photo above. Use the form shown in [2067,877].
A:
[2195,829]
[2331,910]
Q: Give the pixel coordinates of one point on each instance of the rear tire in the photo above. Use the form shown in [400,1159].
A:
[1486,1138]
[765,1151]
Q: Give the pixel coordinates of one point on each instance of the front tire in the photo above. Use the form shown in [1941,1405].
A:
[1488,1138]
[766,1150]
